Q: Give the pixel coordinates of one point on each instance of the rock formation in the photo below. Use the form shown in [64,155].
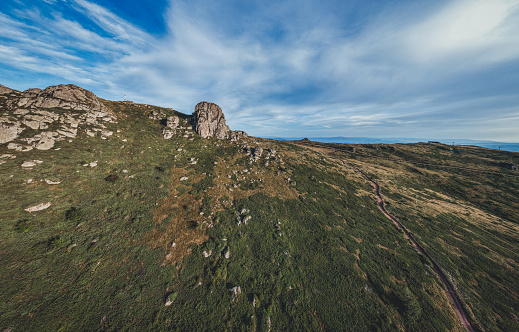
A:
[4,90]
[27,112]
[171,127]
[9,130]
[208,121]
[60,96]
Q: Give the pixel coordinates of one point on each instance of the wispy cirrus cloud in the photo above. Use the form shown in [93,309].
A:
[291,67]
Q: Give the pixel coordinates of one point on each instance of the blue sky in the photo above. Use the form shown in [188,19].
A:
[438,69]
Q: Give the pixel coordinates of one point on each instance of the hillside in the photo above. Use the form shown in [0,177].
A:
[121,216]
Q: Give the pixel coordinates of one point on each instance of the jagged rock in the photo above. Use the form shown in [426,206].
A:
[258,151]
[9,131]
[167,133]
[172,122]
[171,127]
[60,96]
[235,291]
[235,135]
[208,121]
[68,132]
[4,90]
[40,120]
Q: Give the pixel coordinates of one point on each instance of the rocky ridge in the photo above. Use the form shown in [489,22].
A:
[54,114]
[37,119]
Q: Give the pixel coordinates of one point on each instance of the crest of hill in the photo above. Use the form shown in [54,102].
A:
[37,118]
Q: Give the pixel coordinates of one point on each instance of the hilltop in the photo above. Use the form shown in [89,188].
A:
[123,216]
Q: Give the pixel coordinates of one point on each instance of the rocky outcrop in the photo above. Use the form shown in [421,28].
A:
[236,135]
[4,90]
[28,112]
[172,123]
[208,121]
[60,96]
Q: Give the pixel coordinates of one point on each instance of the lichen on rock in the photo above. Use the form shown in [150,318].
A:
[208,121]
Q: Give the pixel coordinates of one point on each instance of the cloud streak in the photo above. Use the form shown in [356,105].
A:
[293,68]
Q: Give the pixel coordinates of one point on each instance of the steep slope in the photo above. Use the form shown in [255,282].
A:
[154,227]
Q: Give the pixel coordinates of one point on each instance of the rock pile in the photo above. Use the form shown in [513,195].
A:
[208,121]
[235,135]
[28,113]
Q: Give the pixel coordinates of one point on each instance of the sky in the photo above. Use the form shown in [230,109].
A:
[388,68]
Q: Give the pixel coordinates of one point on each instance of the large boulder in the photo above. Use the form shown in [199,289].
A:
[208,121]
[60,96]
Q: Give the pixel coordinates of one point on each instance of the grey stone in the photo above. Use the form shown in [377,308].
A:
[4,90]
[9,131]
[208,121]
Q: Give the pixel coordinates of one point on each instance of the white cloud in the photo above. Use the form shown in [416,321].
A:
[480,30]
[395,73]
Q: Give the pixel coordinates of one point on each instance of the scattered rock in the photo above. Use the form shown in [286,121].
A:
[235,291]
[235,135]
[207,253]
[208,121]
[39,207]
[258,151]
[52,182]
[154,115]
[168,133]
[27,164]
[509,166]
[184,178]
[18,147]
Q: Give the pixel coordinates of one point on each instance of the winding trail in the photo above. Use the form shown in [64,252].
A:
[453,296]
[450,289]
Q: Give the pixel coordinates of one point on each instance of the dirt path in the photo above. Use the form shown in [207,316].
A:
[450,289]
[453,296]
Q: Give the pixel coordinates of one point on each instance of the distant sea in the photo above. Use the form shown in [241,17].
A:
[514,147]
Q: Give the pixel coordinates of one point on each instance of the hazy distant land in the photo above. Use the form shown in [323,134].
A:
[374,140]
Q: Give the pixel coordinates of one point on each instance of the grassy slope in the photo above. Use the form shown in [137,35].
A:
[317,254]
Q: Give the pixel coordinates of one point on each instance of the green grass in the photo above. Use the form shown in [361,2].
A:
[324,258]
